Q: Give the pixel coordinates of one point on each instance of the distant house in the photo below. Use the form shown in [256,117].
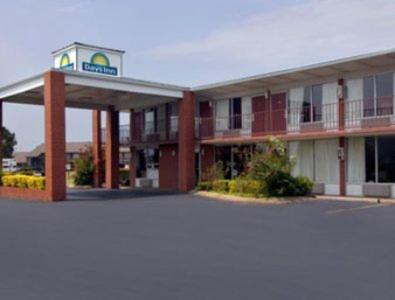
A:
[35,158]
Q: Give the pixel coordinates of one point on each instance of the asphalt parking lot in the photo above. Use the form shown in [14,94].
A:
[175,246]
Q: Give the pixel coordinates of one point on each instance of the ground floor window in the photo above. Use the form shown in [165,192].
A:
[234,158]
[380,159]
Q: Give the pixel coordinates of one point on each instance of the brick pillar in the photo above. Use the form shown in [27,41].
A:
[96,148]
[186,139]
[112,148]
[132,161]
[55,145]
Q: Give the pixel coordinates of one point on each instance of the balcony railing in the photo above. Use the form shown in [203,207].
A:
[323,118]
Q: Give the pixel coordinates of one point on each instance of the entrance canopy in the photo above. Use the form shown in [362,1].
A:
[97,92]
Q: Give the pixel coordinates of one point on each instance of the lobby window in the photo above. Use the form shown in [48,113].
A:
[380,159]
[312,104]
[378,93]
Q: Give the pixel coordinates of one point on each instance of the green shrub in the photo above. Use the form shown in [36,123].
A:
[304,186]
[215,172]
[221,185]
[84,168]
[245,185]
[24,181]
[205,186]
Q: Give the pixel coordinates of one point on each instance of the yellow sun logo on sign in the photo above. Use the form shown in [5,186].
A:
[100,59]
[65,60]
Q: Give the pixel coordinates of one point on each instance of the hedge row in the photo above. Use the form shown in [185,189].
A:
[24,181]
[278,185]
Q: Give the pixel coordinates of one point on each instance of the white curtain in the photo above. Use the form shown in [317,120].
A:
[295,106]
[356,160]
[222,115]
[246,113]
[303,152]
[326,161]
[354,103]
[329,101]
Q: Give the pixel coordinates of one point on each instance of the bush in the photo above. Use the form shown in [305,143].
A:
[205,186]
[84,168]
[221,185]
[245,186]
[304,185]
[24,181]
[215,172]
[283,184]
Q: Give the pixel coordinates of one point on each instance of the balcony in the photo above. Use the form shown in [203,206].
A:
[358,116]
[160,131]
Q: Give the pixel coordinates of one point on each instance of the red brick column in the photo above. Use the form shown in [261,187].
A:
[186,138]
[112,149]
[207,157]
[132,161]
[96,148]
[55,145]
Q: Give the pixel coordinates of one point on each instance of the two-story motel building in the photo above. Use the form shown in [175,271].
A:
[336,117]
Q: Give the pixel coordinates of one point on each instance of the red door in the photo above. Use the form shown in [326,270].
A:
[278,107]
[258,111]
[206,119]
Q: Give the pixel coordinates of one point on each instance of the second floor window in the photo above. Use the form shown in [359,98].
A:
[378,93]
[312,104]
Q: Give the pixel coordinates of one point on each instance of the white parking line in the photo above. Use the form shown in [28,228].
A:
[336,211]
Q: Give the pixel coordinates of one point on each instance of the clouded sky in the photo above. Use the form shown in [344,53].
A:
[182,42]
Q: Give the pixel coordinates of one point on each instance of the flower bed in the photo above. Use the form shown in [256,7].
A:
[24,181]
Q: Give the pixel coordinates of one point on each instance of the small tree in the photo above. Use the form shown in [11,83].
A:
[9,142]
[274,160]
[84,168]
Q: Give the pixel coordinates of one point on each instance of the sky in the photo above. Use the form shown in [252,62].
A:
[182,42]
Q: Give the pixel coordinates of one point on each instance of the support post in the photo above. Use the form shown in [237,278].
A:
[132,150]
[112,148]
[186,148]
[342,139]
[55,144]
[96,148]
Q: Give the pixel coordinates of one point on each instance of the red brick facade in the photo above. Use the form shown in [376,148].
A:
[168,166]
[55,145]
[96,148]
[186,148]
[207,154]
[112,148]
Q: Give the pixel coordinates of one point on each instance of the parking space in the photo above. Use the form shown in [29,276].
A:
[177,246]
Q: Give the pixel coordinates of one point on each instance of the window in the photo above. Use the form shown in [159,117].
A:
[235,113]
[378,94]
[312,104]
[379,159]
[149,121]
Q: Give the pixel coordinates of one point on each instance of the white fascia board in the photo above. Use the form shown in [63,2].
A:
[122,85]
[22,86]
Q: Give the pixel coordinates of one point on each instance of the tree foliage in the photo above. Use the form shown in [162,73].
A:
[9,142]
[84,168]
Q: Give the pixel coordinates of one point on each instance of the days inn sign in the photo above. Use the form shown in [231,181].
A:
[86,58]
